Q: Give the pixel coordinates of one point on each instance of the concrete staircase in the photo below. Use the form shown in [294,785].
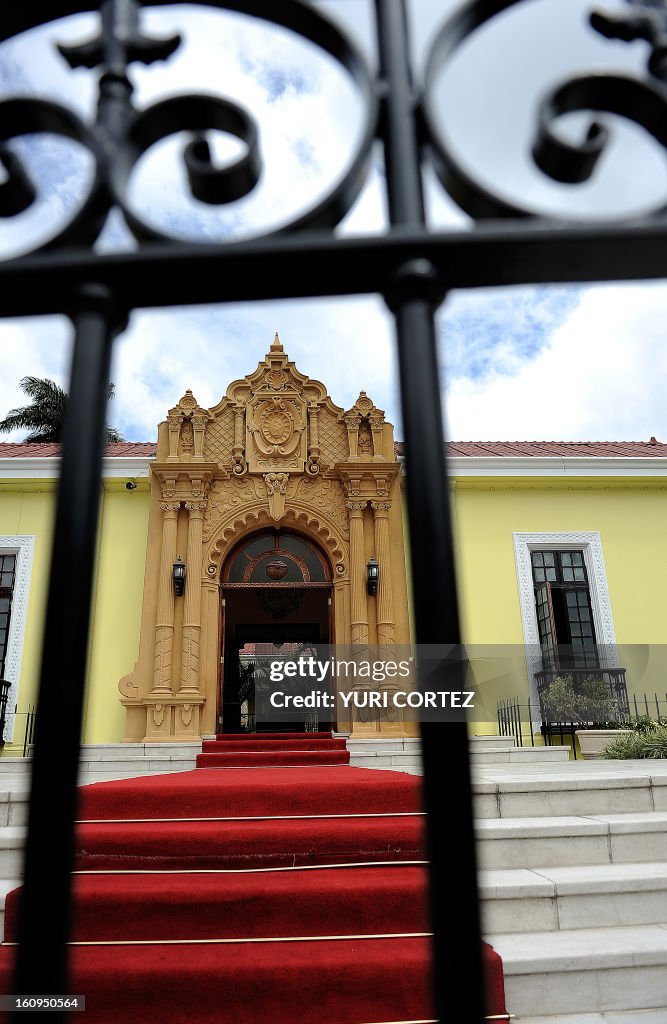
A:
[573,859]
[574,891]
[404,755]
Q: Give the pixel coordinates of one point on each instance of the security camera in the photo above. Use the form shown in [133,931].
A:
[130,485]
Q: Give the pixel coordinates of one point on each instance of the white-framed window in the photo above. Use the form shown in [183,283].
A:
[16,559]
[564,598]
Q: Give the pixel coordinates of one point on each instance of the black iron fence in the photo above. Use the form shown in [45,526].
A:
[525,720]
[4,695]
[608,688]
[409,265]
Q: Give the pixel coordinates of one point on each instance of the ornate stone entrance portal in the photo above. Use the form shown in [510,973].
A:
[274,454]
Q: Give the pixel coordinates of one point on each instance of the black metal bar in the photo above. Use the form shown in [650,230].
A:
[458,975]
[44,919]
[316,264]
[530,719]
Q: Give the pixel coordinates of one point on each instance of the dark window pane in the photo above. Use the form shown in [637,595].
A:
[551,575]
[315,568]
[266,542]
[568,575]
[294,544]
[538,558]
[577,558]
[539,575]
[571,597]
[549,558]
[579,574]
[566,558]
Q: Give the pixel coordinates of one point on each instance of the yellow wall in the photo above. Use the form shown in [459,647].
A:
[629,515]
[30,513]
[119,588]
[27,509]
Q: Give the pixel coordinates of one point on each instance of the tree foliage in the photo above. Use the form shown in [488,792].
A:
[44,417]
[592,705]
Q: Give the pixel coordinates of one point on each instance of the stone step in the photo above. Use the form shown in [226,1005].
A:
[97,753]
[572,841]
[490,755]
[561,791]
[589,970]
[142,764]
[481,742]
[589,896]
[612,1017]
[12,839]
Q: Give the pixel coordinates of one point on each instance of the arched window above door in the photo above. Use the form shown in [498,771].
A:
[274,558]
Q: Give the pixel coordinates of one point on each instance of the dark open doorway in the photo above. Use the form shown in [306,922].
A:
[276,603]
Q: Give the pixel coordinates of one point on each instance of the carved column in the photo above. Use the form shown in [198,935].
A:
[238,449]
[164,627]
[174,420]
[377,426]
[358,603]
[192,602]
[199,422]
[352,422]
[313,439]
[391,720]
[385,602]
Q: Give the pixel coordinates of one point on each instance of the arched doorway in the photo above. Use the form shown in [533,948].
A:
[276,602]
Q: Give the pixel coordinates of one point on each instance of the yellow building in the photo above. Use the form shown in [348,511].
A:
[278,502]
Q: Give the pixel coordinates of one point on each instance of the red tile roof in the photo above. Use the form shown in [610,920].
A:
[558,449]
[119,450]
[472,449]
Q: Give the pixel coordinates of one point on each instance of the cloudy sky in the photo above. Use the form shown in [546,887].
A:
[583,363]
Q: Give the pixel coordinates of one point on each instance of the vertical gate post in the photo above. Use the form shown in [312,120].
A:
[44,917]
[413,297]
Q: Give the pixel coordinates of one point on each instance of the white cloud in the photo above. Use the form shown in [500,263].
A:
[601,377]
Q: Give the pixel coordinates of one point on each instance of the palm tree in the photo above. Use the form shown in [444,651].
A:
[45,416]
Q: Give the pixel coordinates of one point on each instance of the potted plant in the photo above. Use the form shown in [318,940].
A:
[592,709]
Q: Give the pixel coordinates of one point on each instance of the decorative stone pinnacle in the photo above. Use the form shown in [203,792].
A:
[276,345]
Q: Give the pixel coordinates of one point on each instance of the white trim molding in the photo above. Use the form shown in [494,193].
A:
[48,468]
[24,549]
[556,466]
[590,544]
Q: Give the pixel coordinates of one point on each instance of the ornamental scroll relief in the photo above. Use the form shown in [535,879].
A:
[275,445]
[276,434]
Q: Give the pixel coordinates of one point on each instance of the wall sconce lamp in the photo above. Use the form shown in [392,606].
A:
[178,576]
[372,576]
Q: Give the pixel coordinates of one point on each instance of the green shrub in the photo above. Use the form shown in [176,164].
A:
[592,706]
[639,745]
[646,724]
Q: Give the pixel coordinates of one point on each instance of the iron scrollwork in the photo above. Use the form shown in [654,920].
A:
[643,101]
[120,134]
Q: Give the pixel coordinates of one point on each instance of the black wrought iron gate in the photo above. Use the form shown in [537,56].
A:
[412,267]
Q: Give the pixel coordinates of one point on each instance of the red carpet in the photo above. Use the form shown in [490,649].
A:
[277,749]
[184,896]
